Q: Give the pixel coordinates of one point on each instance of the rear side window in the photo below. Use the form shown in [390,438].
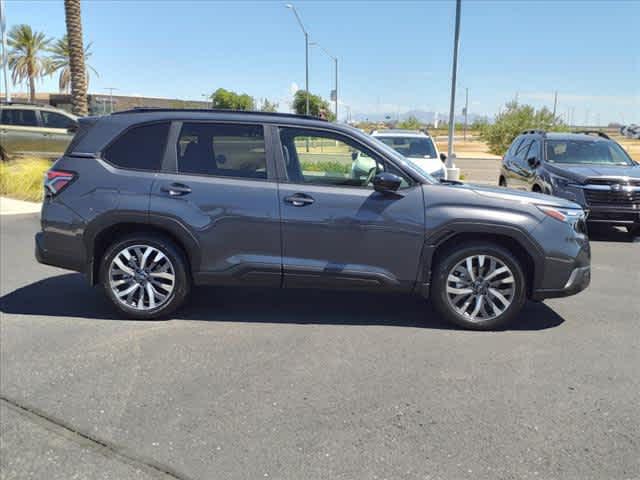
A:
[514,146]
[222,150]
[139,148]
[19,118]
[56,120]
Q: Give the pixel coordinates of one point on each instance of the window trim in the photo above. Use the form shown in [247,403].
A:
[379,157]
[100,154]
[170,162]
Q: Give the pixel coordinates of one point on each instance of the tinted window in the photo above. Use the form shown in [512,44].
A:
[56,120]
[521,152]
[140,148]
[20,118]
[222,150]
[534,150]
[324,158]
[514,146]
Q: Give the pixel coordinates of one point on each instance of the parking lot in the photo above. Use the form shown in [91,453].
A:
[311,385]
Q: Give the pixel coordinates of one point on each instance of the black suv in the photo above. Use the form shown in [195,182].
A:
[585,167]
[149,202]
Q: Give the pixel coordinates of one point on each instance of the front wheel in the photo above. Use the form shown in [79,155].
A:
[480,286]
[145,276]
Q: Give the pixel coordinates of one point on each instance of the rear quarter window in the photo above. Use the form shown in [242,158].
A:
[18,117]
[139,148]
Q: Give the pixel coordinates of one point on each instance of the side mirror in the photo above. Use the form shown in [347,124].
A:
[533,162]
[386,182]
[443,157]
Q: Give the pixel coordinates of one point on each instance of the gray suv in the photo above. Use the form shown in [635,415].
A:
[148,203]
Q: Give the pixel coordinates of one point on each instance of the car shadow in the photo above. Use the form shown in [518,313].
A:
[608,233]
[69,296]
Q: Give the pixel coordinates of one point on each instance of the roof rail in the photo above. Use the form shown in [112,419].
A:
[594,132]
[216,110]
[534,132]
[33,104]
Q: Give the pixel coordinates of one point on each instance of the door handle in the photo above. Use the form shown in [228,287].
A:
[177,189]
[299,200]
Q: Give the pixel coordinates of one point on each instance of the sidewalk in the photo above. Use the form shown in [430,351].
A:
[9,206]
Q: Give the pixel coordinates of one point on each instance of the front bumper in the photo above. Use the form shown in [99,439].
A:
[613,215]
[579,279]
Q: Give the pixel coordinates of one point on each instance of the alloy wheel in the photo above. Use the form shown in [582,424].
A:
[480,287]
[141,277]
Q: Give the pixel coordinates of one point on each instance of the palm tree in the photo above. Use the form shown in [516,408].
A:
[25,56]
[76,58]
[60,61]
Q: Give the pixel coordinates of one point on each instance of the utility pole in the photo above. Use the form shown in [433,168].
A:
[5,53]
[466,111]
[555,104]
[335,64]
[111,89]
[306,52]
[453,173]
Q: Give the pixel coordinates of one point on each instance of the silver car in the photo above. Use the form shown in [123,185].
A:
[35,130]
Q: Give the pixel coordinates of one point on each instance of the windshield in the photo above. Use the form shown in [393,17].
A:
[411,147]
[587,152]
[404,160]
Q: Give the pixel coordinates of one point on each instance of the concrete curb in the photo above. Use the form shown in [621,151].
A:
[10,206]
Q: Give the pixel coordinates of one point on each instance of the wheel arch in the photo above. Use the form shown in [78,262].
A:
[525,249]
[106,230]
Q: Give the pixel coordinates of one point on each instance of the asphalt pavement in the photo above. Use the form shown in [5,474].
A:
[255,384]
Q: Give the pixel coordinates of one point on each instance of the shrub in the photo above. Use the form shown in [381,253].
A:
[513,121]
[325,166]
[22,179]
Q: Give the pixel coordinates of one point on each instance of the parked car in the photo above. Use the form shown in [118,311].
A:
[585,167]
[148,202]
[412,144]
[38,130]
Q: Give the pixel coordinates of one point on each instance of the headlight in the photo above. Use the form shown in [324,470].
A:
[569,215]
[559,182]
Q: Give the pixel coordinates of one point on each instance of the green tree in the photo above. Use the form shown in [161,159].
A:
[60,62]
[410,123]
[26,58]
[513,120]
[268,106]
[318,107]
[229,100]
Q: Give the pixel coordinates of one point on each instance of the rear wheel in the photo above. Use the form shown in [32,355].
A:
[480,286]
[145,276]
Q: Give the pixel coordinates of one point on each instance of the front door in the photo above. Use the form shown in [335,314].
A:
[220,187]
[58,131]
[336,230]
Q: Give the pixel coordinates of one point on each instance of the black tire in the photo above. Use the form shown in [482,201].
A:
[182,283]
[450,258]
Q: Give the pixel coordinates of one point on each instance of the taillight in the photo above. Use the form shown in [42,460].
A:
[57,180]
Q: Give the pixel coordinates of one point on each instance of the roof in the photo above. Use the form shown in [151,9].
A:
[576,136]
[34,106]
[142,110]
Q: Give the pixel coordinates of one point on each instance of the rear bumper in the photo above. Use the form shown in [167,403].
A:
[579,279]
[55,257]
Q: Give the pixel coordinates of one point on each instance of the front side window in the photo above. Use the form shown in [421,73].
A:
[521,152]
[139,148]
[56,120]
[325,158]
[19,118]
[411,147]
[586,152]
[222,150]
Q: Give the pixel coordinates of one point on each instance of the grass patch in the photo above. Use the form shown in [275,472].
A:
[22,179]
[327,166]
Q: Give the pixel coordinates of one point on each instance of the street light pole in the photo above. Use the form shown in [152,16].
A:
[306,52]
[453,173]
[335,65]
[5,53]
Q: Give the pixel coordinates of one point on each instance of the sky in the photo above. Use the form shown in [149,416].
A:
[394,56]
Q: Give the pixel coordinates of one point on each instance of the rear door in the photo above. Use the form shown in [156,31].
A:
[57,130]
[518,166]
[218,183]
[338,232]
